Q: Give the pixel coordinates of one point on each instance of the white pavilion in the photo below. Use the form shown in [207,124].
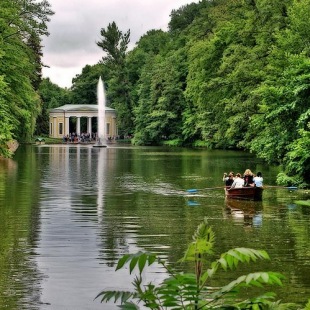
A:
[59,119]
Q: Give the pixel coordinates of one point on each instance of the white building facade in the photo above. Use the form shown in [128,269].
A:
[59,120]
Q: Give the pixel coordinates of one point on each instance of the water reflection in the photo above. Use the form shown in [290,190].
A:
[72,207]
[101,180]
[69,213]
[7,166]
[84,227]
[246,212]
[19,221]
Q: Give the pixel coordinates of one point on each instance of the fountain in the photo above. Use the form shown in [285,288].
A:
[101,115]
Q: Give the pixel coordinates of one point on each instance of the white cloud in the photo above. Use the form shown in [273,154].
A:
[75,29]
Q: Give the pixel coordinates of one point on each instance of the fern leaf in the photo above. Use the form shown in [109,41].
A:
[151,259]
[190,253]
[133,262]
[123,296]
[122,261]
[265,277]
[276,279]
[234,256]
[236,253]
[142,262]
[204,277]
[223,263]
[249,278]
[139,258]
[252,279]
[204,231]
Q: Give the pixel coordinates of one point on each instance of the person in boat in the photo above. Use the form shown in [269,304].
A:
[228,179]
[248,178]
[238,182]
[258,180]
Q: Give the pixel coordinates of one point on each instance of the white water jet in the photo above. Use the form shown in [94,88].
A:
[101,114]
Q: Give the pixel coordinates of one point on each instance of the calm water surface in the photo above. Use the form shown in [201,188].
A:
[67,213]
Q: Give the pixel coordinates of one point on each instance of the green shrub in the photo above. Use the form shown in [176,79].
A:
[205,144]
[175,142]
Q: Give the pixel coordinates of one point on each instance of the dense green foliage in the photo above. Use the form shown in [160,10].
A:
[227,74]
[115,43]
[192,291]
[22,24]
[52,96]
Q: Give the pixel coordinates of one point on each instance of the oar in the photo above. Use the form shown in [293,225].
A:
[285,187]
[194,190]
[291,187]
[193,203]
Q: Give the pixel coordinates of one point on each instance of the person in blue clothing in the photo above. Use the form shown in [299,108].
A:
[258,179]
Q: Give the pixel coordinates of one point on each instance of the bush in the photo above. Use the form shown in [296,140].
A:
[175,142]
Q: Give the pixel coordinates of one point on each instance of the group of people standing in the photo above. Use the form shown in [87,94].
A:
[247,179]
[76,138]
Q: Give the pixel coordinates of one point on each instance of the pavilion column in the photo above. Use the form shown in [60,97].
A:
[89,125]
[67,120]
[55,129]
[78,126]
[114,127]
[51,127]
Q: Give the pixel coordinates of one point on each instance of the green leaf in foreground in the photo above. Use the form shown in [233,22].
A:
[190,291]
[303,202]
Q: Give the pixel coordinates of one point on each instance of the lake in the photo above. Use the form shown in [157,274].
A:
[69,212]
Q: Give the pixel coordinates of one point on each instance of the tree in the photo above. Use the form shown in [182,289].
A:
[21,27]
[115,43]
[158,115]
[6,122]
[84,85]
[52,96]
[183,17]
[284,95]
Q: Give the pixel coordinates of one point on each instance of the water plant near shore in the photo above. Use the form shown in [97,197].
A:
[190,291]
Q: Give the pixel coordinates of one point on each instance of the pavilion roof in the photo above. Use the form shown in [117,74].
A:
[79,107]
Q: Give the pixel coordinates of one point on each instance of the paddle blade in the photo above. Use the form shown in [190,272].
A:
[193,203]
[192,190]
[291,187]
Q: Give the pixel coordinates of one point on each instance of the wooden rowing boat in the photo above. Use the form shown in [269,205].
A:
[248,193]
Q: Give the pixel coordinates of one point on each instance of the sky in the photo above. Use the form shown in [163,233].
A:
[75,28]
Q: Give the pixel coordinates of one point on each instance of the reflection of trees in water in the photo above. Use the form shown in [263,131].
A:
[301,241]
[141,224]
[113,241]
[283,234]
[19,229]
[136,215]
[7,166]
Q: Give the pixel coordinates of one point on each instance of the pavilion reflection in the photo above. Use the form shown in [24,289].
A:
[81,172]
[102,158]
